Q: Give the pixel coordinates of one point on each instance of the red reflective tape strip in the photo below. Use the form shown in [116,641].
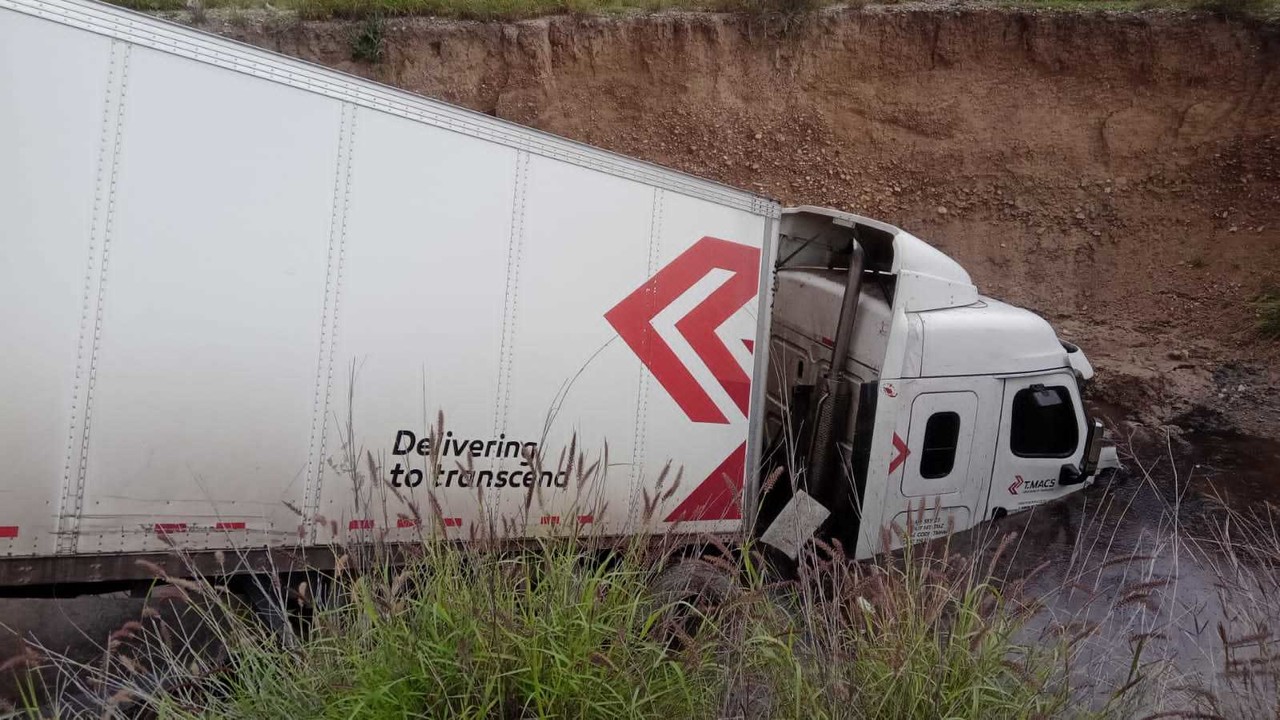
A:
[360,525]
[8,531]
[406,523]
[550,520]
[230,526]
[169,528]
[586,519]
[453,522]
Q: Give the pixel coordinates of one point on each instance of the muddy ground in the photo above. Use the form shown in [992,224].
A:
[1117,172]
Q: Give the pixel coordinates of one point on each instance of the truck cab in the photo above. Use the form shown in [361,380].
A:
[943,400]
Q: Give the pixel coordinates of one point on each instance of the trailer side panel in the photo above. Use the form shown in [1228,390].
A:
[302,287]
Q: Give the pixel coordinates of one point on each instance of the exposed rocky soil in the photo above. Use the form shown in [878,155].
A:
[1119,173]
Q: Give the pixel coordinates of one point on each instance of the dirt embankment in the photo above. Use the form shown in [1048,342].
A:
[1119,174]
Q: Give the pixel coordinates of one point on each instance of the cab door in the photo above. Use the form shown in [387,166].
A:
[944,455]
[1042,428]
[941,438]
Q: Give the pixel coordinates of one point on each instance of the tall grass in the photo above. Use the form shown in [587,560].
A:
[924,634]
[544,635]
[568,630]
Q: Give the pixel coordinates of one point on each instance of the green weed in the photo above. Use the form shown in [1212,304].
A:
[545,635]
[152,5]
[197,8]
[367,41]
[1268,307]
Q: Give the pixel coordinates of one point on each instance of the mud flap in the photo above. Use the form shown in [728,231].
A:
[797,522]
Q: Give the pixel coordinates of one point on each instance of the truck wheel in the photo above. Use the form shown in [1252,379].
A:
[268,598]
[684,593]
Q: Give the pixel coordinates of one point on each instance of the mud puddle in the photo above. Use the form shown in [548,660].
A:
[1246,470]
[1138,559]
[1184,481]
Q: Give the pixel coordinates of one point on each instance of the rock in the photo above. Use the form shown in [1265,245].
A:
[942,210]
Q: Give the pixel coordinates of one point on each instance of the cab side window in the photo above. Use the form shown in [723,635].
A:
[1043,423]
[939,453]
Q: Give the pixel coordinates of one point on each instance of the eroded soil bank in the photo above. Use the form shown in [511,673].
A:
[1118,173]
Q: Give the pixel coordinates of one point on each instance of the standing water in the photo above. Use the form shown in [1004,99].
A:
[1168,571]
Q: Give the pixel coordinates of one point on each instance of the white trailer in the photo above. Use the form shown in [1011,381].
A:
[234,283]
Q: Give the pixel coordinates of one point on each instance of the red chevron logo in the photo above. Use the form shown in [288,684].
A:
[1016,484]
[633,319]
[901,451]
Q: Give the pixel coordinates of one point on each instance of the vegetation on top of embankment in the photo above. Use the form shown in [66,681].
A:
[520,9]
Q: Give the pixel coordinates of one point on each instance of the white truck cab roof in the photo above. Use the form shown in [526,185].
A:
[984,338]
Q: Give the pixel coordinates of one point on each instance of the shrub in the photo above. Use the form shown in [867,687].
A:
[367,41]
[1269,314]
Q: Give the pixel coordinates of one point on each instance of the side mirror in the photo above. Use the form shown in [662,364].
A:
[1072,475]
[1092,451]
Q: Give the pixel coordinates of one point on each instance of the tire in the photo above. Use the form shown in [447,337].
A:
[685,593]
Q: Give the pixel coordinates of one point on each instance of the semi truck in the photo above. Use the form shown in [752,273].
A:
[241,291]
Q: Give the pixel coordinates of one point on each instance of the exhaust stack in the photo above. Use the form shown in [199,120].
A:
[832,411]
